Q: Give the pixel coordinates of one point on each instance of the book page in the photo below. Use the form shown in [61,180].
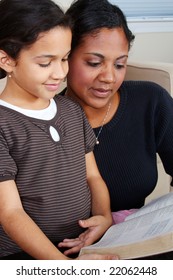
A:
[155,204]
[144,227]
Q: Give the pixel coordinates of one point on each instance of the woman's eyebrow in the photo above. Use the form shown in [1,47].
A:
[122,56]
[102,56]
[96,54]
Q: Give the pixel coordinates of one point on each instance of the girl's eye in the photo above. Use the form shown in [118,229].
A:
[65,59]
[93,64]
[44,65]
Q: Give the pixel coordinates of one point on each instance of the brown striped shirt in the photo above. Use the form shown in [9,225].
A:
[50,176]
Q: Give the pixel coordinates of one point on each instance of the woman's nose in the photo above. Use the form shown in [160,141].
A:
[108,74]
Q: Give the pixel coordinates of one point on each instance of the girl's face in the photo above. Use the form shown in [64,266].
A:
[97,67]
[37,74]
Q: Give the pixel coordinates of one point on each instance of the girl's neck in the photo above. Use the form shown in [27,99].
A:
[23,101]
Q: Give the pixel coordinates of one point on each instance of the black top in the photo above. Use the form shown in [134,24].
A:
[126,154]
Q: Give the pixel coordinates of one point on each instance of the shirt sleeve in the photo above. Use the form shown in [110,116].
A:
[90,139]
[8,168]
[164,130]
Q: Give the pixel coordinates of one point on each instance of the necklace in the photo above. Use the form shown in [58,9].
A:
[103,122]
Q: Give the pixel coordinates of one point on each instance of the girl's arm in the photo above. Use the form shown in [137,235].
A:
[101,218]
[99,192]
[24,232]
[21,228]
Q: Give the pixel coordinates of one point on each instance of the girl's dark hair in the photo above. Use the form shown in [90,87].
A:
[21,22]
[89,16]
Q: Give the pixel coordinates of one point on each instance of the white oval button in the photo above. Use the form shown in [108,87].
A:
[54,133]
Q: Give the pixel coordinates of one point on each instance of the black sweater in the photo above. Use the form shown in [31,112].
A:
[126,154]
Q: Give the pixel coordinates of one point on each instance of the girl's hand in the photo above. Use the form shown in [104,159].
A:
[95,228]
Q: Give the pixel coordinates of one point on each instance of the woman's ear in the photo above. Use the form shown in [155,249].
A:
[6,62]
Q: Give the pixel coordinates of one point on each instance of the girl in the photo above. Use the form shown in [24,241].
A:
[49,182]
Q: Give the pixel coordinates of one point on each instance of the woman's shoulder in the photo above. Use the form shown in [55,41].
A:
[149,95]
[146,89]
[142,84]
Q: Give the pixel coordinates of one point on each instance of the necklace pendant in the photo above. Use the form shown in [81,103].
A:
[98,135]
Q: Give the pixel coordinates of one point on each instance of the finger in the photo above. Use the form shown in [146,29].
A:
[69,243]
[91,222]
[70,239]
[73,250]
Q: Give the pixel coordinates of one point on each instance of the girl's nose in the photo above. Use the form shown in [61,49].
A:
[60,71]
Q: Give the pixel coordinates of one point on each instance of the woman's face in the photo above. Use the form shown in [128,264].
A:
[97,67]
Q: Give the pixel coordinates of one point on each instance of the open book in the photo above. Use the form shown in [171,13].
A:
[149,231]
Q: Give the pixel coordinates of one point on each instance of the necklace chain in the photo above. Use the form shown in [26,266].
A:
[103,122]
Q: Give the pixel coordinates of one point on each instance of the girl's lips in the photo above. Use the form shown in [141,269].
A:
[52,87]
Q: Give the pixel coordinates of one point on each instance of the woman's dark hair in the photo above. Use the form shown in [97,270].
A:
[89,16]
[21,22]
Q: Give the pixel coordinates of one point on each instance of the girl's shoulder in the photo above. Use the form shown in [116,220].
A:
[66,101]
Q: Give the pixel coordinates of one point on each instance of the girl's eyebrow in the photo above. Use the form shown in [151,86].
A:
[45,55]
[102,56]
[50,55]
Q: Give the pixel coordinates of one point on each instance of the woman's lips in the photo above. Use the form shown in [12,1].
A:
[100,92]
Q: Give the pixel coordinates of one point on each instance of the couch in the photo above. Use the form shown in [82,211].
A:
[161,73]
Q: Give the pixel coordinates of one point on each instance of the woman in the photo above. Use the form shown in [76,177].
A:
[132,120]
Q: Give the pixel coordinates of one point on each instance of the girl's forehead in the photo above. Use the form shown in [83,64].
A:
[54,32]
[55,41]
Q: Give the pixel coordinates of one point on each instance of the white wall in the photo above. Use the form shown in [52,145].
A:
[152,46]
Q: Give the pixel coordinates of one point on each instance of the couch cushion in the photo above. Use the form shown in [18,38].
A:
[160,73]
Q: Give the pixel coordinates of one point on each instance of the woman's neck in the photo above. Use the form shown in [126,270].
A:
[98,116]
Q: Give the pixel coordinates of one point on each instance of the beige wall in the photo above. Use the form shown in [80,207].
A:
[150,46]
[63,3]
[153,47]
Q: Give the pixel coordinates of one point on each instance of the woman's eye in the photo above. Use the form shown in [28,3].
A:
[93,64]
[119,66]
[44,64]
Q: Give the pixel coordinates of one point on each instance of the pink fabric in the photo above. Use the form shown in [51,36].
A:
[119,216]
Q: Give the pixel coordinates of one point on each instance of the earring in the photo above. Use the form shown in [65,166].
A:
[9,75]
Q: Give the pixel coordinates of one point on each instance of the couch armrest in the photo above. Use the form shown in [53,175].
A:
[158,72]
